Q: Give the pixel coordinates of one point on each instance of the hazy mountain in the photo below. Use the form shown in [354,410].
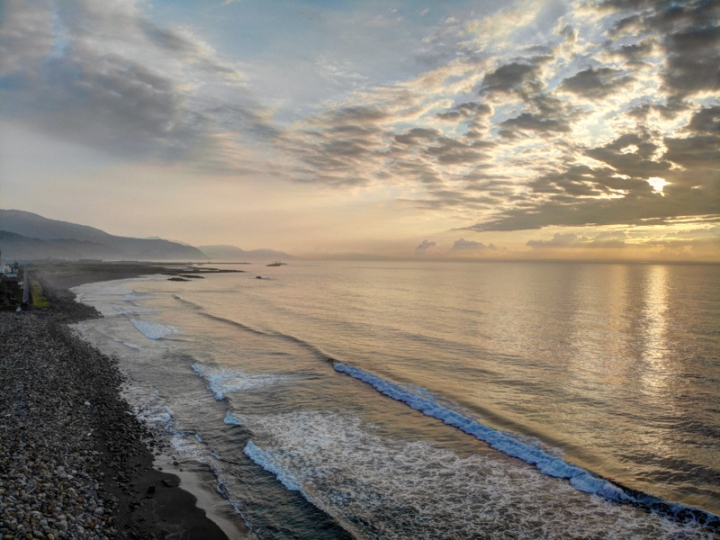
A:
[37,237]
[16,246]
[233,253]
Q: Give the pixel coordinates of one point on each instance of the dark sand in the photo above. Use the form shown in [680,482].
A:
[148,502]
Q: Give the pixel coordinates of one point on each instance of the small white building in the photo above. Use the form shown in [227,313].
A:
[9,270]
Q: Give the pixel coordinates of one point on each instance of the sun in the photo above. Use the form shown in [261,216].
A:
[658,184]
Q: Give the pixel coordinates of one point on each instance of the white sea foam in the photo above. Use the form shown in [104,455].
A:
[549,463]
[230,420]
[131,297]
[152,330]
[130,345]
[133,310]
[266,460]
[410,489]
[148,405]
[189,447]
[223,381]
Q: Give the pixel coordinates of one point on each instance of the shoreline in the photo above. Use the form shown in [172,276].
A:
[137,491]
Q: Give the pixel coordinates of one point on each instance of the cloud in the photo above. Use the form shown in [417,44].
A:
[651,208]
[596,83]
[534,115]
[470,246]
[508,77]
[688,34]
[536,123]
[694,153]
[104,75]
[605,240]
[466,110]
[424,246]
[558,240]
[706,120]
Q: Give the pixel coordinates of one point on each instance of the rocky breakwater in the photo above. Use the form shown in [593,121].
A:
[75,461]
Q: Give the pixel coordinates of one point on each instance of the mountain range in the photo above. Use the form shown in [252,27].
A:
[25,236]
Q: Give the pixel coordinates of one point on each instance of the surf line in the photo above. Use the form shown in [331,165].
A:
[581,479]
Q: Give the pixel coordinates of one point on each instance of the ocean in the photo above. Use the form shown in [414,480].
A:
[435,399]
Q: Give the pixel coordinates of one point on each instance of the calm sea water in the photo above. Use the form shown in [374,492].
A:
[436,400]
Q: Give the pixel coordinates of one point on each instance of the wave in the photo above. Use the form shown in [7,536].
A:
[218,318]
[546,463]
[222,381]
[265,460]
[393,488]
[279,335]
[133,310]
[153,330]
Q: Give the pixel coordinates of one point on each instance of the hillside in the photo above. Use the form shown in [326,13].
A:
[30,236]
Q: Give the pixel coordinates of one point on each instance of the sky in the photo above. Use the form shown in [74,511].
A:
[403,129]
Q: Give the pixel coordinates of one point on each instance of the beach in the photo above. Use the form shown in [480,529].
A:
[363,400]
[75,461]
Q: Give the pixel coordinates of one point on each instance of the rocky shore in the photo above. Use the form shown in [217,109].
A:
[75,462]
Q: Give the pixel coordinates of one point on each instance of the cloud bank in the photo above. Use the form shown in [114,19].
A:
[572,126]
[584,113]
[103,75]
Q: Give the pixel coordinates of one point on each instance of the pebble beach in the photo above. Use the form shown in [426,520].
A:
[75,461]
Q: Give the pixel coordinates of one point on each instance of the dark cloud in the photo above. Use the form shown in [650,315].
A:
[569,33]
[416,136]
[630,155]
[424,246]
[536,123]
[693,62]
[519,76]
[596,83]
[700,152]
[451,151]
[110,103]
[636,52]
[507,77]
[167,39]
[631,209]
[706,120]
[690,37]
[584,181]
[466,110]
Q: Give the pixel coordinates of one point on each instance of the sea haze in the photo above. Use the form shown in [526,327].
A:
[436,400]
